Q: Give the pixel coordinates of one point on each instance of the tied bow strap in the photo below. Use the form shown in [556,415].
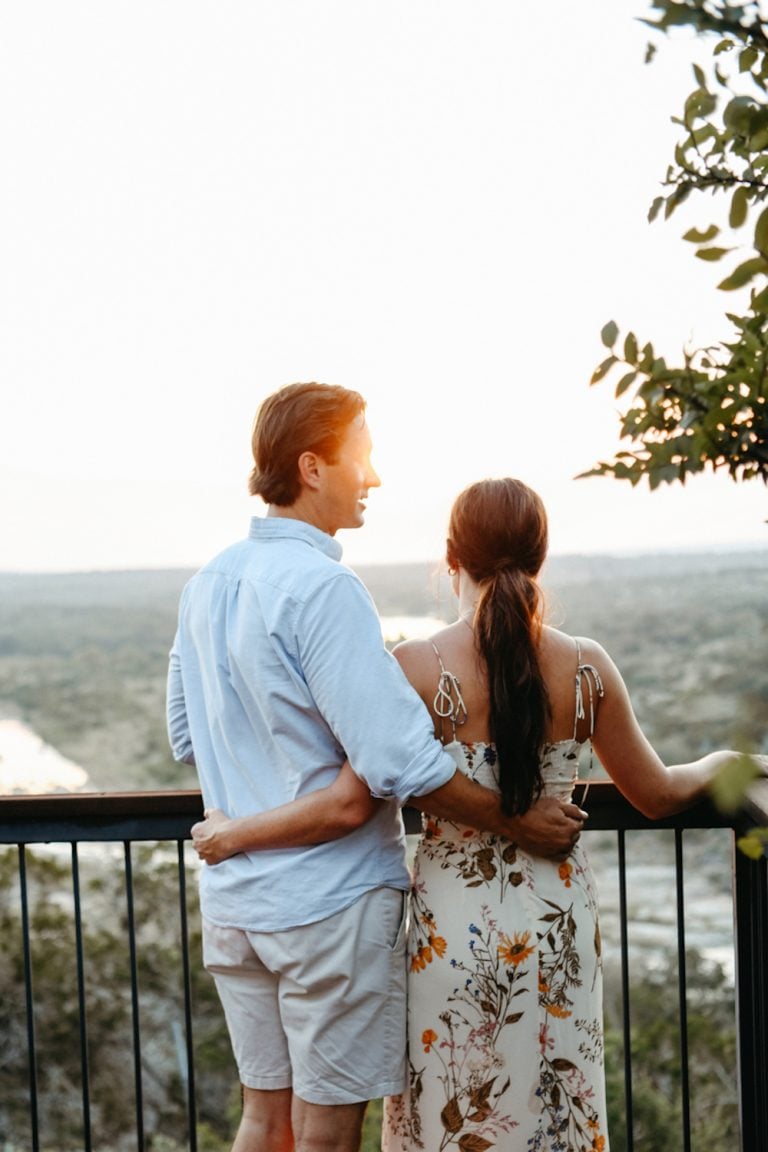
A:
[589,673]
[595,689]
[449,702]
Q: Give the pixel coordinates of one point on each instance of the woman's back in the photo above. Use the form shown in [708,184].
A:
[454,651]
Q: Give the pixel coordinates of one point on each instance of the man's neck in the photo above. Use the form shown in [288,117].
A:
[300,510]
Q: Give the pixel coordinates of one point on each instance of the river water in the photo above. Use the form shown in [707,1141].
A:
[28,764]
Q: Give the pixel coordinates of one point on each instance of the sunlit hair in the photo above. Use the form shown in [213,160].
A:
[498,535]
[298,418]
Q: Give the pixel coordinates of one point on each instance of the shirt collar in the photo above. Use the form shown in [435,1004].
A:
[283,528]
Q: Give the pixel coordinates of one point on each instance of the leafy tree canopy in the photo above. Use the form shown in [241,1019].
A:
[711,409]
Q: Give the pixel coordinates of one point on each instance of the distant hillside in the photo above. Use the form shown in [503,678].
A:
[83,656]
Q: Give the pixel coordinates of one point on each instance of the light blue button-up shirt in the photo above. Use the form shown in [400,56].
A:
[278,672]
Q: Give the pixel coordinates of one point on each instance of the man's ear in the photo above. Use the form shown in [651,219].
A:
[309,467]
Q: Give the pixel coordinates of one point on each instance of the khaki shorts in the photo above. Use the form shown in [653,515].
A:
[320,1008]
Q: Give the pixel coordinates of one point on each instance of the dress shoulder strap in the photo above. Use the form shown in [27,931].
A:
[586,675]
[449,702]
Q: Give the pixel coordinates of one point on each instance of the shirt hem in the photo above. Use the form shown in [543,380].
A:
[325,914]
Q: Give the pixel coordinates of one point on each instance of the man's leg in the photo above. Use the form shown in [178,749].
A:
[266,1122]
[327,1127]
[248,991]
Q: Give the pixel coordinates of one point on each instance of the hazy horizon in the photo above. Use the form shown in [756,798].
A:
[690,551]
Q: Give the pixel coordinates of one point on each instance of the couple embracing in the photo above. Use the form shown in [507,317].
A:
[308,737]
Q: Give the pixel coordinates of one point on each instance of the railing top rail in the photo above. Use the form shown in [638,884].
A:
[64,817]
[58,805]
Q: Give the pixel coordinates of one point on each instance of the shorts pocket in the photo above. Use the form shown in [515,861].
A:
[398,941]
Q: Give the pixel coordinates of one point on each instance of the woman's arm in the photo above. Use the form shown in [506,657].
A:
[326,814]
[654,788]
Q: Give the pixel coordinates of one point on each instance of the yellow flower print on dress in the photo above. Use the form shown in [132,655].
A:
[421,958]
[517,950]
[565,871]
[438,945]
[556,1010]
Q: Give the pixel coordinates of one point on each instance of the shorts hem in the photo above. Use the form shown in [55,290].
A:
[357,1096]
[266,1083]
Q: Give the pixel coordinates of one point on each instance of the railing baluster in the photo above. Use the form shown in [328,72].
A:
[84,1071]
[682,992]
[190,1079]
[134,998]
[751,925]
[626,1022]
[30,1001]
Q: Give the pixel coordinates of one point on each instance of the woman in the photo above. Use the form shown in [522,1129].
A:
[505,1015]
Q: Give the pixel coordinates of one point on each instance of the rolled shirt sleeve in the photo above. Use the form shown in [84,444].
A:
[360,690]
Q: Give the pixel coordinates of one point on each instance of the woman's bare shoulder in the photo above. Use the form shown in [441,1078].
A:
[562,643]
[561,652]
[414,652]
[419,658]
[419,663]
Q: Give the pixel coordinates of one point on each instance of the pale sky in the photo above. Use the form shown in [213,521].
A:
[438,203]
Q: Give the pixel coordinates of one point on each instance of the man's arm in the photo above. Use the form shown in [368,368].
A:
[176,713]
[325,814]
[548,828]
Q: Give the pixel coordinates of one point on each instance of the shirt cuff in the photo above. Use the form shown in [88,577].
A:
[420,777]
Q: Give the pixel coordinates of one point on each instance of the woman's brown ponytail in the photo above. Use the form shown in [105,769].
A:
[498,534]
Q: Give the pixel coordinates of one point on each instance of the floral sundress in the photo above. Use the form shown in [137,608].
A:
[505,1027]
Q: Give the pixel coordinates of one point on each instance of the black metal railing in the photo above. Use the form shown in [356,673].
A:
[163,819]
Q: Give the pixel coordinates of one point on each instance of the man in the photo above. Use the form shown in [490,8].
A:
[278,673]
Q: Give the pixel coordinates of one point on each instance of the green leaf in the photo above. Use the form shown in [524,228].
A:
[761,233]
[713,253]
[700,136]
[759,140]
[610,334]
[678,197]
[739,205]
[729,784]
[743,274]
[625,383]
[754,844]
[603,369]
[747,58]
[699,105]
[646,361]
[698,237]
[737,114]
[630,348]
[701,79]
[655,208]
[664,474]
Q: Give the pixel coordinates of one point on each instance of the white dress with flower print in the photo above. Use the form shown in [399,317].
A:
[505,1024]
